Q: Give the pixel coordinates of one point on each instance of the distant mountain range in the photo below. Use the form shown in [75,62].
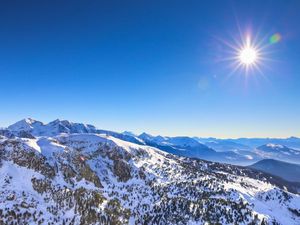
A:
[72,173]
[226,150]
[287,171]
[242,151]
[191,147]
[280,152]
[291,142]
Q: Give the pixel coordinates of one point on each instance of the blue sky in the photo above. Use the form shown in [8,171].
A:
[150,66]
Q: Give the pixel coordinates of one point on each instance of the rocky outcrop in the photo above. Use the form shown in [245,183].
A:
[15,151]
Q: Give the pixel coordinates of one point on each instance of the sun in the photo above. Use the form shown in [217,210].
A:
[248,55]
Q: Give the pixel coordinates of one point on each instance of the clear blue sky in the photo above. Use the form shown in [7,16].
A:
[150,66]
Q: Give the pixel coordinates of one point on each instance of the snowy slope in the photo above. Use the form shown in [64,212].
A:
[100,179]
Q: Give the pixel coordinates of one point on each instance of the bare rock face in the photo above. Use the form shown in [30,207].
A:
[24,134]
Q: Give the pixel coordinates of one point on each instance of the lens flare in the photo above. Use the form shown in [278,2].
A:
[275,38]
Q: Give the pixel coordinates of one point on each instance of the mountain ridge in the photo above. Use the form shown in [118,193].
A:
[219,150]
[285,170]
[98,178]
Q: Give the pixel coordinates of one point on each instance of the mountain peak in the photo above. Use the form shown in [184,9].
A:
[60,121]
[55,127]
[146,136]
[29,120]
[271,145]
[26,124]
[129,133]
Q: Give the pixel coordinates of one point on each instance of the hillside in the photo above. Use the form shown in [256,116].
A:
[287,171]
[91,178]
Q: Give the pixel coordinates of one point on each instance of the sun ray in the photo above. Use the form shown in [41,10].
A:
[247,54]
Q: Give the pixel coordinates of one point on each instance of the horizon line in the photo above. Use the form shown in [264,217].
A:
[155,135]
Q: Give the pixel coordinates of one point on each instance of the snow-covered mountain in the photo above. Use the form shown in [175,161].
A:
[53,128]
[223,145]
[192,147]
[291,142]
[182,146]
[96,178]
[218,150]
[279,152]
[33,127]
